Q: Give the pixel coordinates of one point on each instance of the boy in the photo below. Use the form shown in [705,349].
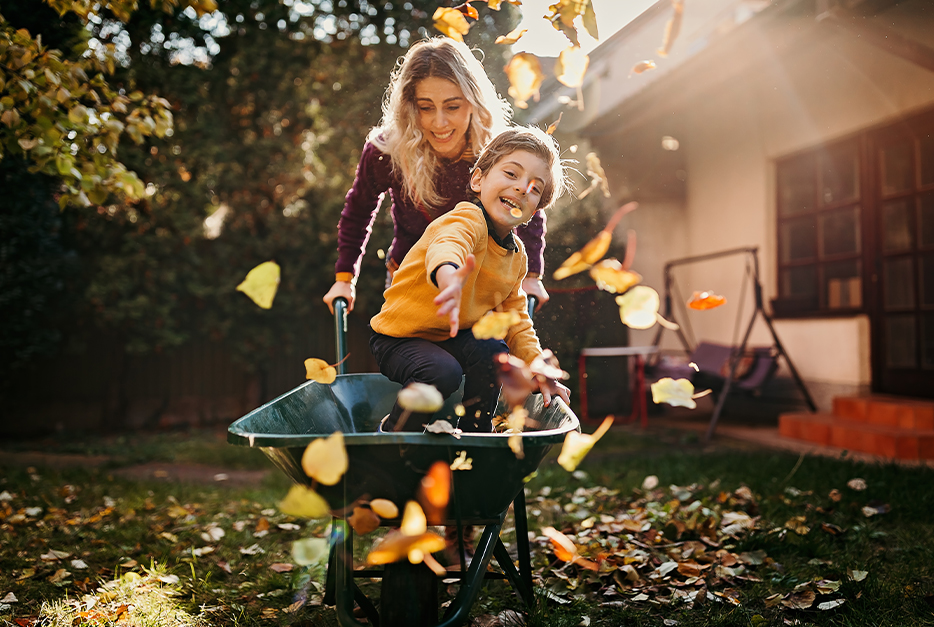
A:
[468,263]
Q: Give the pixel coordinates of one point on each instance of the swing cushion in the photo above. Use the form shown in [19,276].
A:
[713,367]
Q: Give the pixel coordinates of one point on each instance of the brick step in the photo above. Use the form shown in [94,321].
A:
[886,411]
[829,430]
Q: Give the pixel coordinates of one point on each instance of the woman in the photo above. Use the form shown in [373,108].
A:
[439,111]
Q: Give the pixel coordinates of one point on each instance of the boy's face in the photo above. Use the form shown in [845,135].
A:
[511,190]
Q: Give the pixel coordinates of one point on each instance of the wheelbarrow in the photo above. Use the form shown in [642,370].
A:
[391,466]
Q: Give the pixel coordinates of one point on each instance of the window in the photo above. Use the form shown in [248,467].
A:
[819,233]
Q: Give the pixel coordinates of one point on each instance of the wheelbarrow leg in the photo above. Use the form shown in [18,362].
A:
[459,610]
[523,548]
[340,588]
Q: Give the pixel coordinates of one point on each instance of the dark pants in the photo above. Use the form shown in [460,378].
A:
[442,364]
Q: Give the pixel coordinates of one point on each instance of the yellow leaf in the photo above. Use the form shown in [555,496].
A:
[638,308]
[363,520]
[672,28]
[705,300]
[571,66]
[512,36]
[516,423]
[303,502]
[554,125]
[525,75]
[675,392]
[451,22]
[420,397]
[384,508]
[462,462]
[325,459]
[586,256]
[610,276]
[642,66]
[319,370]
[261,283]
[597,177]
[495,324]
[565,549]
[577,445]
[414,522]
[396,546]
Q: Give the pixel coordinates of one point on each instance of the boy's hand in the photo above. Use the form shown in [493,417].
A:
[450,282]
[551,388]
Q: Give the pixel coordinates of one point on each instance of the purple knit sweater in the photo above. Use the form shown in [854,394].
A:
[375,176]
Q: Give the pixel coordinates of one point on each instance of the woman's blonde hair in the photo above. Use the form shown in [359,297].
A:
[399,135]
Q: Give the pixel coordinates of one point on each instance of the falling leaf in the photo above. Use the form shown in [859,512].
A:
[515,377]
[593,250]
[303,502]
[702,301]
[281,567]
[799,600]
[384,508]
[308,551]
[857,575]
[443,426]
[642,66]
[451,22]
[396,546]
[420,397]
[649,483]
[610,276]
[524,72]
[546,366]
[468,10]
[363,520]
[571,66]
[856,484]
[829,605]
[462,462]
[261,283]
[436,485]
[320,371]
[672,28]
[675,392]
[325,459]
[638,307]
[495,324]
[565,12]
[554,125]
[414,522]
[577,445]
[511,37]
[597,178]
[565,550]
[516,424]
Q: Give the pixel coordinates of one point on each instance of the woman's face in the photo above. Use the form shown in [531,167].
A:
[443,115]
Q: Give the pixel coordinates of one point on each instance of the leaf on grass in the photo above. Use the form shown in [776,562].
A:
[325,459]
[59,576]
[515,377]
[857,575]
[303,502]
[363,521]
[577,445]
[672,28]
[565,550]
[384,508]
[462,462]
[420,397]
[675,392]
[511,37]
[797,524]
[734,523]
[829,605]
[638,307]
[9,598]
[525,75]
[856,484]
[261,283]
[835,495]
[308,551]
[281,567]
[396,546]
[827,586]
[642,66]
[799,600]
[495,324]
[610,276]
[571,66]
[874,508]
[701,301]
[414,522]
[451,22]
[649,483]
[53,555]
[320,371]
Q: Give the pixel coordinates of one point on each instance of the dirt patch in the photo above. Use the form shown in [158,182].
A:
[191,473]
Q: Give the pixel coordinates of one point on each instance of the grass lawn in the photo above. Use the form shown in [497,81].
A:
[729,536]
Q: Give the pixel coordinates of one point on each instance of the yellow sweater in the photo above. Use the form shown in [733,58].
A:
[409,310]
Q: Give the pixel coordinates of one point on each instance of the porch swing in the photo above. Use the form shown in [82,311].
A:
[712,359]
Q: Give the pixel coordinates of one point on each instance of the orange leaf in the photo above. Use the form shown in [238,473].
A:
[610,276]
[319,370]
[672,28]
[525,75]
[384,508]
[396,546]
[436,485]
[565,550]
[554,125]
[451,22]
[511,37]
[597,177]
[642,66]
[468,10]
[571,66]
[363,520]
[702,301]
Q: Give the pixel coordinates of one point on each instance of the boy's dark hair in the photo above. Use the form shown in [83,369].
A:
[530,139]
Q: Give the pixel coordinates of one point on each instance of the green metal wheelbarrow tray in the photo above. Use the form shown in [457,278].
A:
[391,466]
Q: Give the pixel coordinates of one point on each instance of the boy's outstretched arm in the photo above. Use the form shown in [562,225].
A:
[451,281]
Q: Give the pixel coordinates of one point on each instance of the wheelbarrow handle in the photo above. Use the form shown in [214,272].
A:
[533,303]
[340,333]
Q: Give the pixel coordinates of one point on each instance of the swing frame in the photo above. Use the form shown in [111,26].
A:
[751,255]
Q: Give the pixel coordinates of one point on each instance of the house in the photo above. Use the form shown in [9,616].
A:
[804,128]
